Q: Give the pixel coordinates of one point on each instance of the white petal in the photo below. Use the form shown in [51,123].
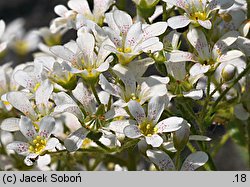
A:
[43,161]
[181,56]
[30,159]
[47,125]
[111,23]
[177,69]
[225,41]
[230,55]
[63,52]
[244,28]
[10,124]
[132,131]
[62,98]
[103,53]
[21,148]
[152,45]
[194,161]
[155,140]
[109,87]
[244,45]
[198,69]
[22,103]
[134,35]
[27,128]
[137,111]
[118,126]
[60,10]
[52,143]
[177,22]
[224,4]
[43,94]
[3,46]
[85,97]
[2,27]
[139,67]
[199,138]
[80,6]
[75,140]
[116,112]
[180,3]
[24,79]
[171,40]
[104,66]
[71,108]
[170,124]
[206,24]
[86,42]
[122,20]
[161,160]
[155,29]
[194,94]
[198,40]
[155,109]
[126,76]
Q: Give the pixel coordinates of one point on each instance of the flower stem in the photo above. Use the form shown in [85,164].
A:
[177,160]
[95,94]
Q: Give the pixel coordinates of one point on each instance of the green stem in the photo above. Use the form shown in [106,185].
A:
[223,94]
[95,94]
[131,164]
[177,160]
[164,15]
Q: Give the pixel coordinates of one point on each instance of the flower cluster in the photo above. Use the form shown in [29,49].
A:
[128,93]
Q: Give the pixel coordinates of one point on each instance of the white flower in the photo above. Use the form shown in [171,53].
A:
[197,12]
[7,84]
[100,7]
[83,60]
[134,89]
[148,126]
[165,163]
[182,83]
[130,40]
[3,45]
[211,56]
[38,142]
[30,77]
[65,21]
[56,72]
[42,105]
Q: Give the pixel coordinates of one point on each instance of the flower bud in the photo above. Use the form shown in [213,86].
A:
[228,72]
[181,136]
[226,17]
[160,57]
[145,3]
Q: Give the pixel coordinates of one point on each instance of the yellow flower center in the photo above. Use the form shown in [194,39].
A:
[37,145]
[124,50]
[198,16]
[134,97]
[37,86]
[147,128]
